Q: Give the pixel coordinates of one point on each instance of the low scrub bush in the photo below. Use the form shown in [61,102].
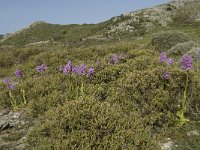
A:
[149,93]
[167,39]
[110,73]
[89,124]
[182,48]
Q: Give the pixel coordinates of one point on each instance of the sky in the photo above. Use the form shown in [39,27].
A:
[16,14]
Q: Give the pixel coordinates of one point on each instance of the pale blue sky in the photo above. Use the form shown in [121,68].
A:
[16,14]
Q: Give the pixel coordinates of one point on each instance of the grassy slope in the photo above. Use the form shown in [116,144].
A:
[191,28]
[73,34]
[69,33]
[46,31]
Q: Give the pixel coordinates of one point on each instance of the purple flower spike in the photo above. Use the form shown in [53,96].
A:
[115,59]
[170,61]
[122,56]
[12,87]
[68,68]
[166,75]
[7,81]
[18,73]
[186,62]
[42,68]
[163,57]
[75,69]
[82,69]
[90,72]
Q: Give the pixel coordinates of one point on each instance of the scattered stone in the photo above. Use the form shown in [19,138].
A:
[4,125]
[20,146]
[5,146]
[8,120]
[18,124]
[193,133]
[166,145]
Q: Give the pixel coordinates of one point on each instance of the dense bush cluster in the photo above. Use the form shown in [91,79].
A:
[166,39]
[89,124]
[182,48]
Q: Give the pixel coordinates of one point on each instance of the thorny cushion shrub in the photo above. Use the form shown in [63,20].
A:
[182,48]
[149,93]
[89,124]
[36,88]
[16,56]
[166,39]
[6,58]
[138,60]
[45,92]
[4,98]
[110,73]
[42,85]
[52,58]
[42,104]
[136,53]
[99,91]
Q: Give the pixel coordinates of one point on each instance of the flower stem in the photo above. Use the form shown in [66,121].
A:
[181,113]
[24,97]
[13,101]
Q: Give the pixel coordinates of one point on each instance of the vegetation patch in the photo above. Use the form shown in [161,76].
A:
[165,40]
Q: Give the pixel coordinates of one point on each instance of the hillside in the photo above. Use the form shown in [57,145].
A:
[131,82]
[129,25]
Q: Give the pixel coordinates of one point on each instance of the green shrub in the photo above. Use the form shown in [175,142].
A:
[167,39]
[182,48]
[132,54]
[45,92]
[194,99]
[23,55]
[42,104]
[40,91]
[134,60]
[143,62]
[149,93]
[6,59]
[4,98]
[99,91]
[110,73]
[89,124]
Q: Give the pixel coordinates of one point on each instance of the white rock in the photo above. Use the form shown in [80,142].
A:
[193,133]
[167,146]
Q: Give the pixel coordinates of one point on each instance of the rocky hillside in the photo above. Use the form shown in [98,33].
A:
[131,24]
[146,20]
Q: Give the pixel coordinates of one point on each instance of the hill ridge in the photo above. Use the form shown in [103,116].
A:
[132,23]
